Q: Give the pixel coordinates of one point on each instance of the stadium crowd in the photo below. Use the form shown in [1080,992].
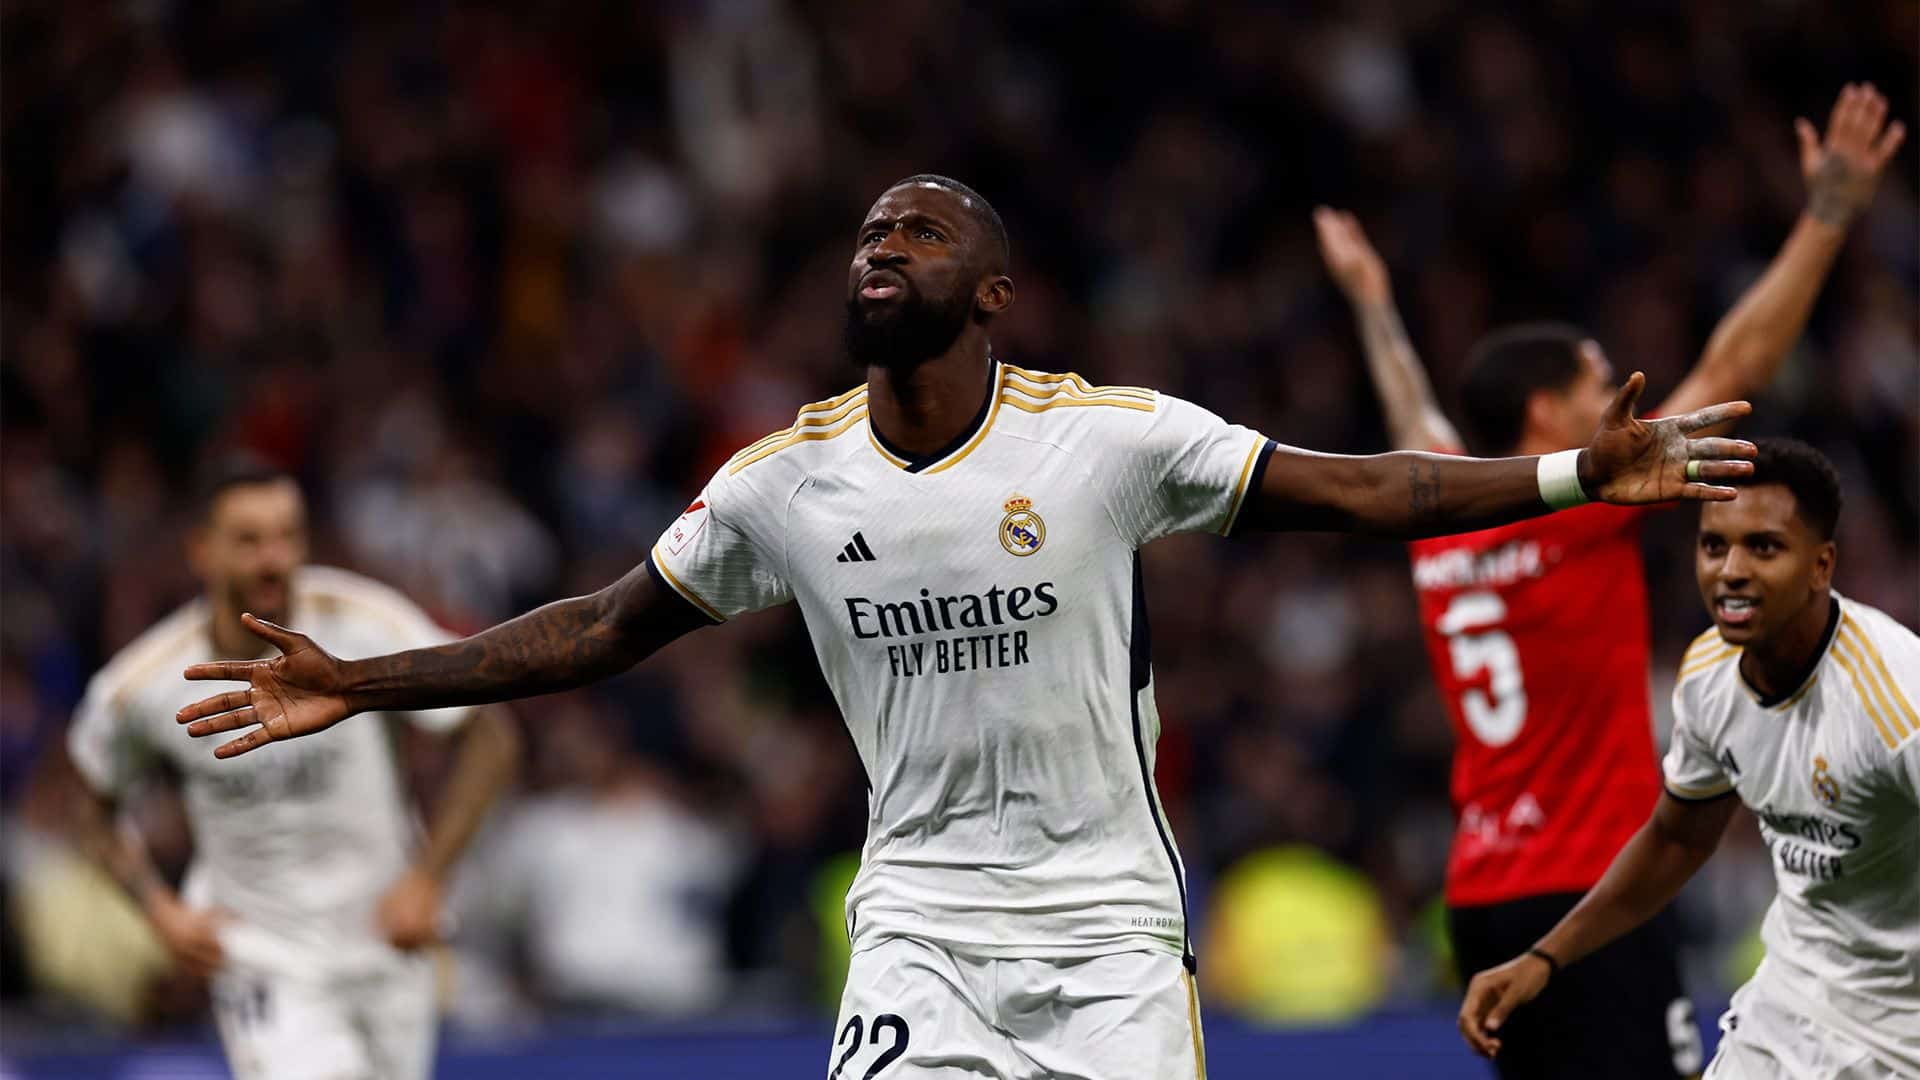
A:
[502,285]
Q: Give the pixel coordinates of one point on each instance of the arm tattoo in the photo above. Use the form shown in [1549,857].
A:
[1382,330]
[1423,495]
[1829,199]
[565,644]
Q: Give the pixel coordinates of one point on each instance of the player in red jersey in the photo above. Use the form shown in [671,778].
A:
[1538,630]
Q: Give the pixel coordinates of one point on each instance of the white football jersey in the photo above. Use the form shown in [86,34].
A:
[1832,771]
[980,617]
[298,840]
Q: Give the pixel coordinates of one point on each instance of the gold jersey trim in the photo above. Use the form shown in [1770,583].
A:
[1879,697]
[1064,401]
[1240,486]
[680,587]
[1047,383]
[841,422]
[812,415]
[1696,662]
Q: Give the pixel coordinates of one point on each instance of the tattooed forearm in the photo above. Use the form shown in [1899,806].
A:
[1837,192]
[565,644]
[1423,489]
[1402,495]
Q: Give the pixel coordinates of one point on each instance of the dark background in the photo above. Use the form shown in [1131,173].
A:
[503,284]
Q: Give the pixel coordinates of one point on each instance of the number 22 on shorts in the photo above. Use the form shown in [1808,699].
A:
[1471,625]
[849,1038]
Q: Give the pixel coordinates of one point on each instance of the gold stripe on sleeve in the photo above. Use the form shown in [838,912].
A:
[1074,383]
[810,434]
[1901,710]
[819,414]
[1698,664]
[1064,401]
[1850,641]
[1240,486]
[693,597]
[1700,646]
[1867,703]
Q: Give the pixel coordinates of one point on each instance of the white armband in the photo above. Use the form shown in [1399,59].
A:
[1559,477]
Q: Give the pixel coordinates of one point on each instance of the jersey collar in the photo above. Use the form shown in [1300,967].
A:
[1813,666]
[963,444]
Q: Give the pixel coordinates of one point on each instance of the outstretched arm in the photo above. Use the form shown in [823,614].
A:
[1645,877]
[1753,338]
[1414,419]
[1411,495]
[565,644]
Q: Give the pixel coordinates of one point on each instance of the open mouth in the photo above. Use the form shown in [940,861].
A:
[881,285]
[1735,610]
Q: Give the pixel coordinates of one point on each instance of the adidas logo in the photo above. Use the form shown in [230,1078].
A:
[856,551]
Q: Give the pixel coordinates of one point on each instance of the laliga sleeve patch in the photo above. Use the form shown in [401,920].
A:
[692,520]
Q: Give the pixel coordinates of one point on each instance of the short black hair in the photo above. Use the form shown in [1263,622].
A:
[983,213]
[1505,369]
[1806,473]
[229,470]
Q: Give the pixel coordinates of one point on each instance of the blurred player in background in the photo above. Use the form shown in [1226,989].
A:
[311,894]
[963,537]
[1538,631]
[1799,701]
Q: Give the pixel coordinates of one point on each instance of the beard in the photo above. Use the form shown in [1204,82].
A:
[907,334]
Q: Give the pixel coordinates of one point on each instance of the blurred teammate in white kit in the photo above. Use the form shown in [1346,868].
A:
[311,892]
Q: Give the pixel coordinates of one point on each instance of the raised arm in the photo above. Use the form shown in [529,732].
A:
[1644,878]
[1411,495]
[1753,338]
[1414,419]
[565,644]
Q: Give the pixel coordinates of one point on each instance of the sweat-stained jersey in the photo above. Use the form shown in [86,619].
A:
[1537,632]
[1832,771]
[298,840]
[980,618]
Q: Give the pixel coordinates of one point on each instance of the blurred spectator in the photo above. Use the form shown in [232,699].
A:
[610,884]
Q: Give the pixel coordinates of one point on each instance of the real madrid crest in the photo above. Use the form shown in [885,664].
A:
[1021,531]
[1825,787]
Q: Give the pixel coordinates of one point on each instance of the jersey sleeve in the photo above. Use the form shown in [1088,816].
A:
[1189,471]
[725,554]
[1691,771]
[1896,661]
[107,752]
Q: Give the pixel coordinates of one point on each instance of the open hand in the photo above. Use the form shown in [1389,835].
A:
[1842,171]
[1632,461]
[1350,258]
[297,693]
[1494,994]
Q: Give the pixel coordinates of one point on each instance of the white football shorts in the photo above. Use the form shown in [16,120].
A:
[276,1026]
[1769,1033]
[915,1010]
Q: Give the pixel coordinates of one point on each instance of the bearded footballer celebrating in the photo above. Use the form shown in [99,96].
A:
[962,537]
